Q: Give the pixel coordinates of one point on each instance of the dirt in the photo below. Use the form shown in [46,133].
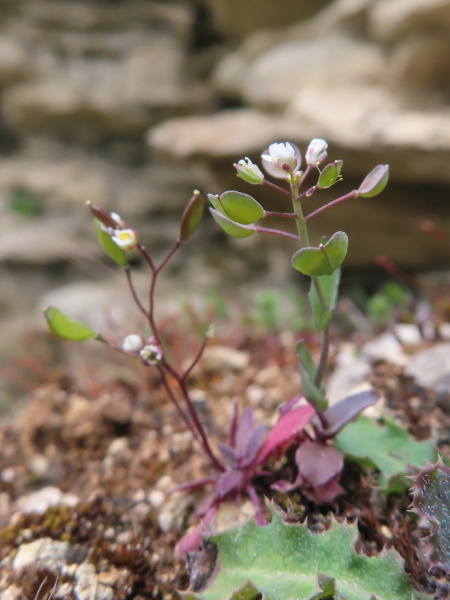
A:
[119,447]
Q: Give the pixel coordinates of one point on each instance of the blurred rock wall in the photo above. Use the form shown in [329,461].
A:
[133,103]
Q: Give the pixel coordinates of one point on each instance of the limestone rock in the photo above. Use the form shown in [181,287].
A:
[47,552]
[40,501]
[431,368]
[236,19]
[337,60]
[391,20]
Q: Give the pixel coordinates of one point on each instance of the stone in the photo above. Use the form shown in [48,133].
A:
[431,368]
[14,63]
[44,551]
[272,77]
[235,19]
[392,20]
[421,64]
[228,135]
[38,502]
[88,586]
[222,358]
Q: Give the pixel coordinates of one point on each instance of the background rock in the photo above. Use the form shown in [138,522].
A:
[134,104]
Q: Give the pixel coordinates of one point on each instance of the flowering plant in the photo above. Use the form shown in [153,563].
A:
[238,463]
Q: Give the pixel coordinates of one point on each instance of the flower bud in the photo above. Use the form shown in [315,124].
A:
[375,182]
[249,172]
[281,160]
[316,152]
[127,239]
[132,343]
[151,354]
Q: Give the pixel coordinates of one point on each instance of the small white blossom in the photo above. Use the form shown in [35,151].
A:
[132,343]
[281,160]
[127,239]
[249,172]
[316,152]
[151,354]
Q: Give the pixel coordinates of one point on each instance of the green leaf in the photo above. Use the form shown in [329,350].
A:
[323,260]
[110,247]
[215,201]
[431,499]
[286,562]
[388,448]
[330,288]
[192,216]
[330,175]
[234,229]
[66,328]
[314,394]
[241,207]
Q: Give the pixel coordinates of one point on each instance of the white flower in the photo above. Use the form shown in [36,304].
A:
[249,172]
[127,239]
[132,343]
[316,152]
[281,160]
[151,354]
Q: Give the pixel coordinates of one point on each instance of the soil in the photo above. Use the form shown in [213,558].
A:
[118,447]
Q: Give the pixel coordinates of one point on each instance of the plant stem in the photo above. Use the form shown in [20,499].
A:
[196,423]
[353,194]
[276,187]
[270,213]
[285,234]
[134,293]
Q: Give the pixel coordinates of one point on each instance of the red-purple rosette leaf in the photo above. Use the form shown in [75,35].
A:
[287,427]
[344,411]
[228,481]
[318,463]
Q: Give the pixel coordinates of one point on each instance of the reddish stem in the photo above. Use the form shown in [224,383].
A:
[194,416]
[134,293]
[260,229]
[276,187]
[270,213]
[352,194]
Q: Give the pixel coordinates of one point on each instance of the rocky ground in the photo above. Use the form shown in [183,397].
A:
[87,466]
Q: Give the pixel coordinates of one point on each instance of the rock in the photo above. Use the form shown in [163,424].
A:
[228,135]
[14,64]
[385,347]
[335,60]
[88,586]
[236,19]
[45,551]
[421,64]
[222,358]
[431,368]
[40,501]
[391,20]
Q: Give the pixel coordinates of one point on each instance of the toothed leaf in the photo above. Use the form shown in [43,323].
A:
[282,562]
[431,499]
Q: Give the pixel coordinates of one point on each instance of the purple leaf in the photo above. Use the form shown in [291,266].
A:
[324,494]
[347,409]
[287,427]
[228,453]
[228,481]
[318,463]
[244,429]
[253,446]
[234,423]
